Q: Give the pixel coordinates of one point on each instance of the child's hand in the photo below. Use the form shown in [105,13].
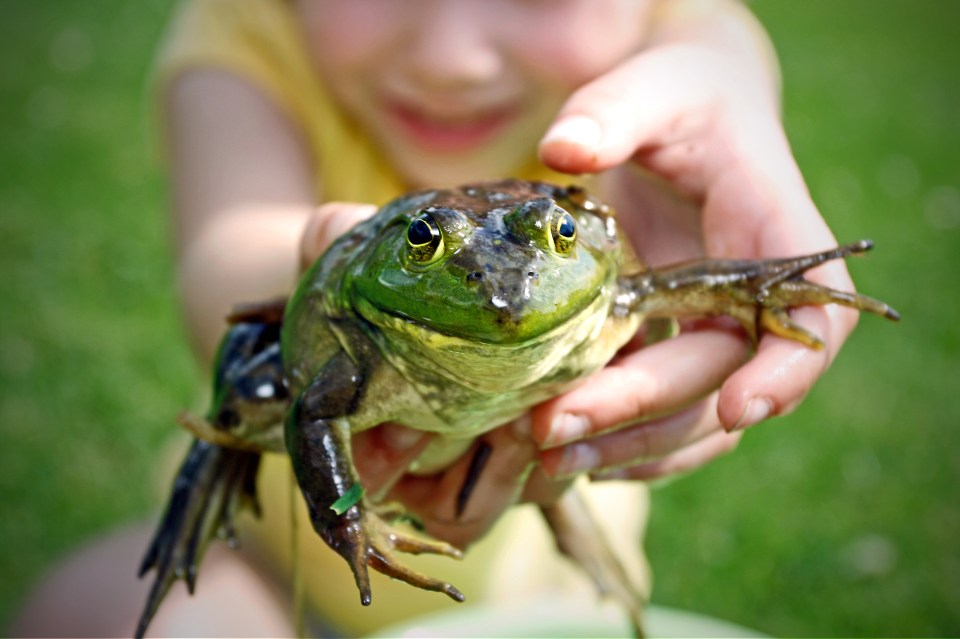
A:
[328,222]
[705,120]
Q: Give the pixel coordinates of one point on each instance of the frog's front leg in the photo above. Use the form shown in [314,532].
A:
[757,293]
[318,440]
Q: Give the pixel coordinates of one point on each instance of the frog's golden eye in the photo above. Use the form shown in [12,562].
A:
[563,232]
[424,239]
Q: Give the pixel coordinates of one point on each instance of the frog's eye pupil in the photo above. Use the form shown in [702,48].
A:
[424,240]
[566,227]
[419,233]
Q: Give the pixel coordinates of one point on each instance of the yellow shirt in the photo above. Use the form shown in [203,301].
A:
[260,41]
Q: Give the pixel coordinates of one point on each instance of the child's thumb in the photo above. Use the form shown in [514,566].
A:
[644,104]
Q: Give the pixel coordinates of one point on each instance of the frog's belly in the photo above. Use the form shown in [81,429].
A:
[461,423]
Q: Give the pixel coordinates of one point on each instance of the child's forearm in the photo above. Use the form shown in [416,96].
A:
[242,193]
[249,256]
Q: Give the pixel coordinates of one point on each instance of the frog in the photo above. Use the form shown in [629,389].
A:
[452,311]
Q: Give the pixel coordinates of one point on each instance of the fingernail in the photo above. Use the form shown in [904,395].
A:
[567,427]
[575,129]
[400,438]
[577,458]
[757,410]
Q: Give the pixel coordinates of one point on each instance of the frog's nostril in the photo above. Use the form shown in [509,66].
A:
[474,277]
[532,275]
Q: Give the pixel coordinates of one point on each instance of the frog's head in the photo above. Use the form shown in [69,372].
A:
[498,263]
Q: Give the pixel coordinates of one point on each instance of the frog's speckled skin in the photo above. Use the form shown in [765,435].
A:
[451,311]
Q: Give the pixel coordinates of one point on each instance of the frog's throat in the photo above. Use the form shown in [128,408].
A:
[558,355]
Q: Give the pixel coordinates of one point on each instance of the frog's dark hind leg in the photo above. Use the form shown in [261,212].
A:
[318,441]
[580,538]
[213,484]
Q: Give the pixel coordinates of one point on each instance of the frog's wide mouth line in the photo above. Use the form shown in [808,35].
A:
[432,334]
[484,366]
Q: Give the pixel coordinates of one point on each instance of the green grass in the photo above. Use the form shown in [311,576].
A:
[841,519]
[93,363]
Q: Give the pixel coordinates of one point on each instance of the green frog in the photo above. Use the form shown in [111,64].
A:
[453,312]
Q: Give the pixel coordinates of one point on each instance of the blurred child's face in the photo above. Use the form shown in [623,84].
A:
[458,90]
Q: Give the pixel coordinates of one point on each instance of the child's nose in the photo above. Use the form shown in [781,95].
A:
[454,44]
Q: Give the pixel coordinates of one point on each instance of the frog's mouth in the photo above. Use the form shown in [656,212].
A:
[417,349]
[511,306]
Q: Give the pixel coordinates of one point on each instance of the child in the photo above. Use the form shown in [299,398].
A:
[278,113]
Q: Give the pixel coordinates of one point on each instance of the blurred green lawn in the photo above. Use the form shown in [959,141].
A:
[841,519]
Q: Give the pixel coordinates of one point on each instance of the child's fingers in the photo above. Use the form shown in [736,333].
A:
[681,461]
[655,380]
[648,102]
[328,222]
[383,454]
[783,371]
[635,444]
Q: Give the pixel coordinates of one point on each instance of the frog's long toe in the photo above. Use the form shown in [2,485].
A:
[388,565]
[417,546]
[778,322]
[352,543]
[213,484]
[385,539]
[799,292]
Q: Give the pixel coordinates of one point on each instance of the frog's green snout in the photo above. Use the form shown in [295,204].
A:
[505,291]
[505,267]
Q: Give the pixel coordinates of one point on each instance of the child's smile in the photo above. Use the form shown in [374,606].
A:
[456,90]
[449,130]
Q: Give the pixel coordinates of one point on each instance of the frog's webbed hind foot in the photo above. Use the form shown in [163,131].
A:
[580,538]
[787,288]
[757,293]
[212,485]
[364,539]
